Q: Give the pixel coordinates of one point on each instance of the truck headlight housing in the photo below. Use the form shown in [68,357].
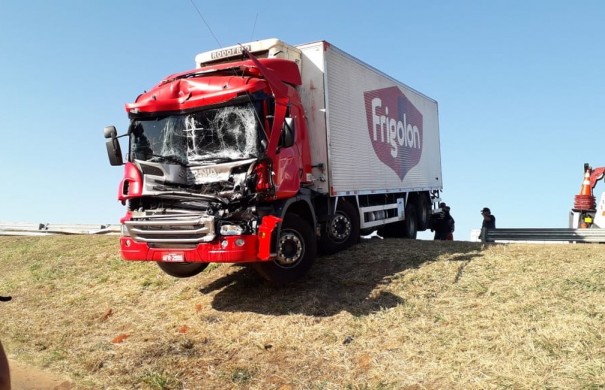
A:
[231,230]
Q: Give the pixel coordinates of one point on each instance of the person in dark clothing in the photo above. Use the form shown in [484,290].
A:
[5,376]
[489,221]
[442,223]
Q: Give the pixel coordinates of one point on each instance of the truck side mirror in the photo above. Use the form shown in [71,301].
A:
[110,132]
[287,133]
[114,151]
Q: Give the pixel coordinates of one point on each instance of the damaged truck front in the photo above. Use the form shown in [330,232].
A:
[213,163]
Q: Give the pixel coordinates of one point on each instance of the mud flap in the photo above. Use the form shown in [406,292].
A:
[265,234]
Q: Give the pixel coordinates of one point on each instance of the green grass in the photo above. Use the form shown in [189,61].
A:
[386,314]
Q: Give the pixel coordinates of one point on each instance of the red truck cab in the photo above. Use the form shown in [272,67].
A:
[210,151]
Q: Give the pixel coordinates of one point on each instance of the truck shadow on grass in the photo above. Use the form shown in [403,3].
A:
[357,280]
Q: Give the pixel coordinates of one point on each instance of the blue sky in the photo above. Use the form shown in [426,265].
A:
[520,86]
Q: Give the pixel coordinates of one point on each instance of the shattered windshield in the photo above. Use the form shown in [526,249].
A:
[214,135]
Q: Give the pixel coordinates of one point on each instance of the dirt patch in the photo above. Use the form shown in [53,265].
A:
[26,377]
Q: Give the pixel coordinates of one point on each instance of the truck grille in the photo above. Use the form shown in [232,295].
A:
[161,230]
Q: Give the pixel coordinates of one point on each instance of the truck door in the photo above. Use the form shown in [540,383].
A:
[289,167]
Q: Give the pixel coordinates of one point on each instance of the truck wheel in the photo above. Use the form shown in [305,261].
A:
[423,212]
[410,224]
[341,231]
[296,251]
[182,270]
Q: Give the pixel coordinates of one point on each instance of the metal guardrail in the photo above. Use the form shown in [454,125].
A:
[540,235]
[47,229]
[487,235]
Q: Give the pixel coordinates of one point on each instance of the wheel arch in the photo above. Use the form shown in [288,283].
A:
[301,205]
[350,199]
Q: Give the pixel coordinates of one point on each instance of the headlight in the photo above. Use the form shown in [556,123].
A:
[231,230]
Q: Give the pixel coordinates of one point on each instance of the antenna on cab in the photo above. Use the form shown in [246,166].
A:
[205,22]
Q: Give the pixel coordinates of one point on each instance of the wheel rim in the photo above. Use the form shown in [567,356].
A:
[290,249]
[340,228]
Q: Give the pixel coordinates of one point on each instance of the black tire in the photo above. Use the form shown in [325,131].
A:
[423,212]
[182,270]
[410,224]
[296,252]
[408,228]
[341,231]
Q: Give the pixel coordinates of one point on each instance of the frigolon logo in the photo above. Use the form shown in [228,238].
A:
[395,127]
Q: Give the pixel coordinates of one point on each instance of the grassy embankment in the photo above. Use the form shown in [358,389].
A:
[386,314]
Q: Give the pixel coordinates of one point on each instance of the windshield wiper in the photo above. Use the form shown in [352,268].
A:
[170,158]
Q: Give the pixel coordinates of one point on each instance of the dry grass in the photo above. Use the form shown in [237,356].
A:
[392,314]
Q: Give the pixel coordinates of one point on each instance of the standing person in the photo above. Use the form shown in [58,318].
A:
[489,221]
[442,223]
[450,224]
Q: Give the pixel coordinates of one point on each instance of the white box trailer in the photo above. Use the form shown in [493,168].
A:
[370,135]
[374,133]
[371,132]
